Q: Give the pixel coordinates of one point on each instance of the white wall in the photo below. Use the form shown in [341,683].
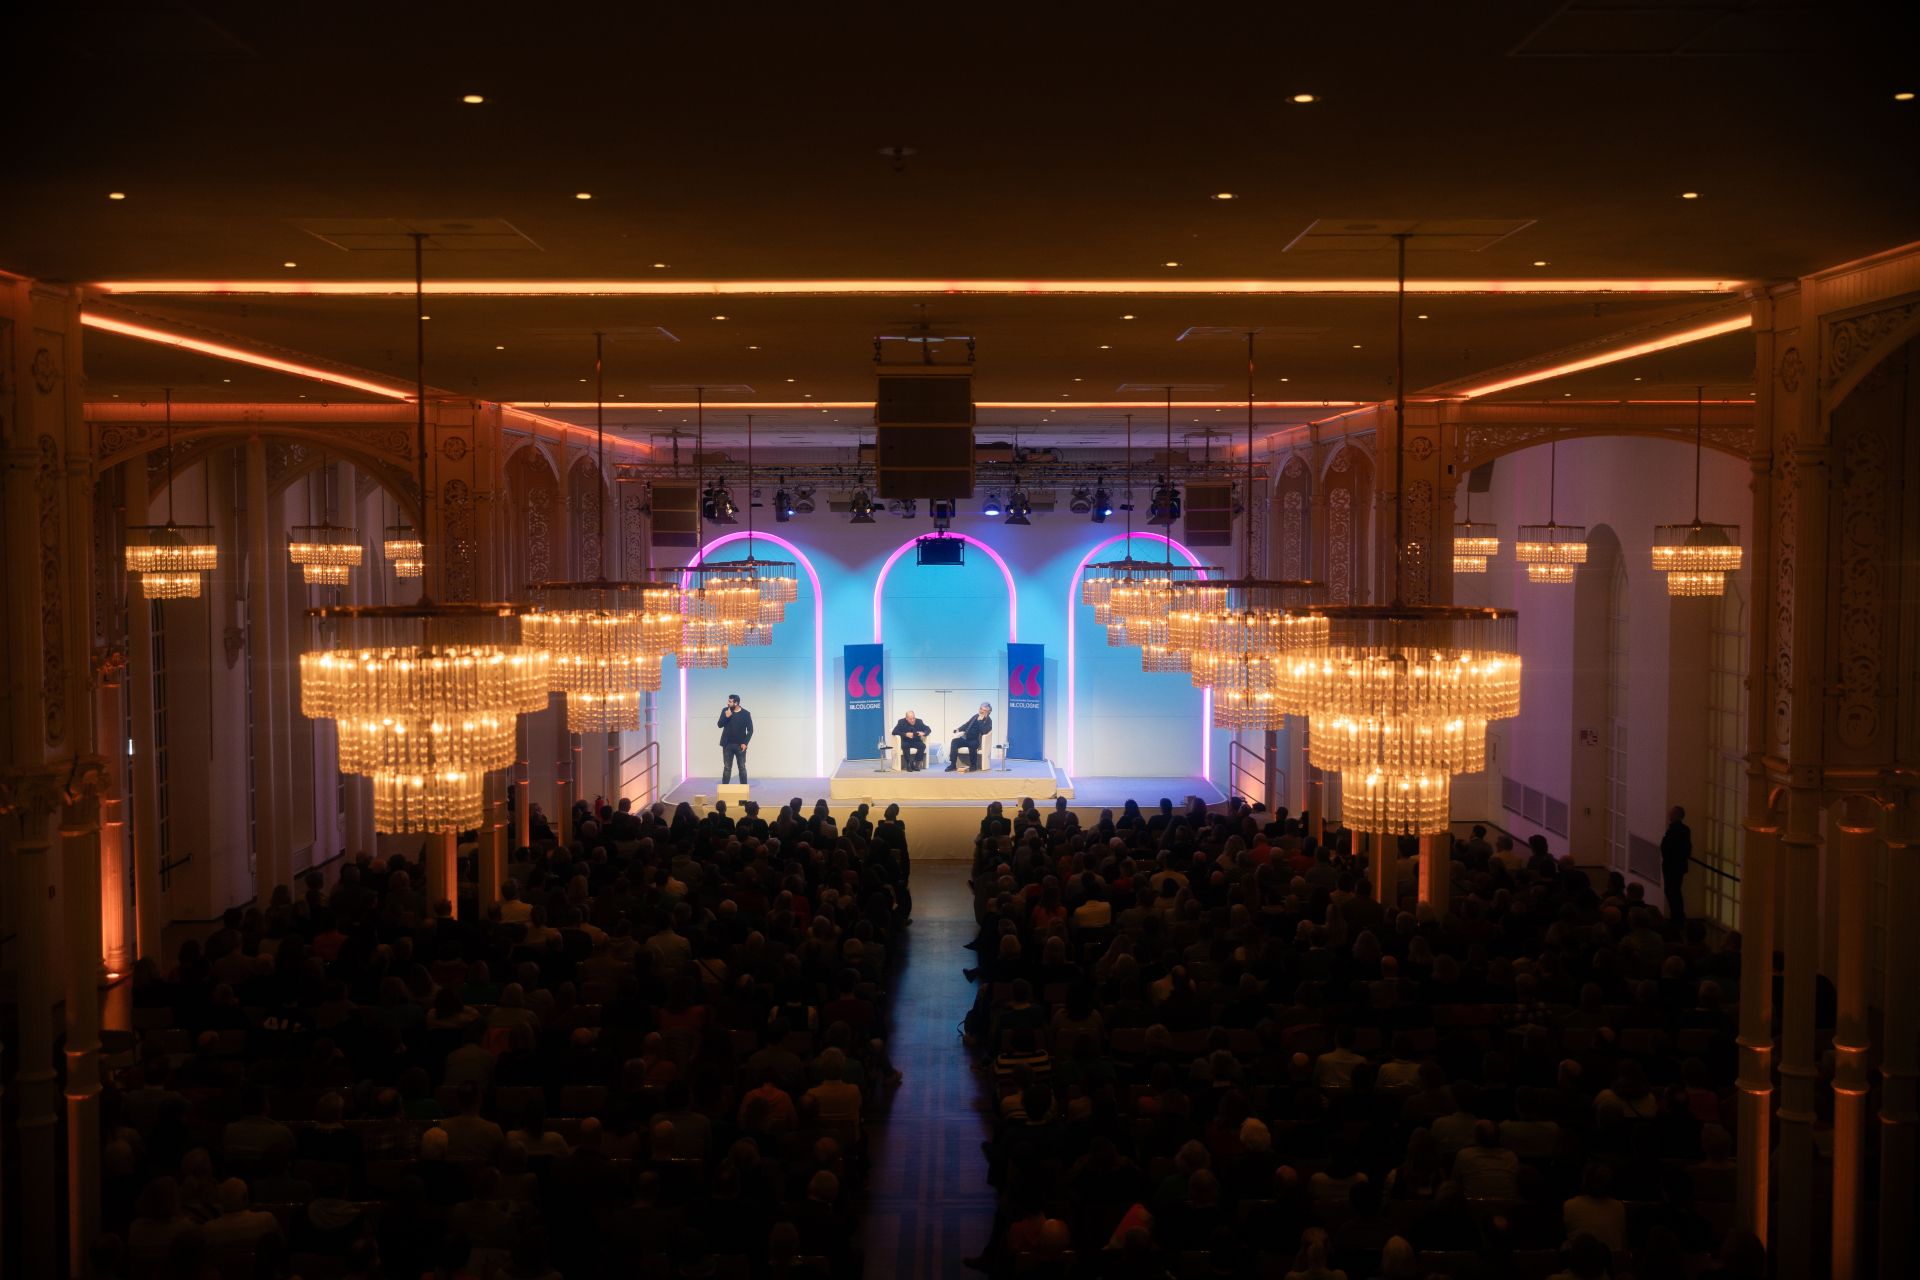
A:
[1629,484]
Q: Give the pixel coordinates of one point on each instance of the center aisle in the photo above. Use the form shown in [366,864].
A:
[928,1202]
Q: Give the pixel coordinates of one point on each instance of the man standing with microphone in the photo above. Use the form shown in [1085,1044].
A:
[736,730]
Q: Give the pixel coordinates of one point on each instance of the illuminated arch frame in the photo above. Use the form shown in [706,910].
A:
[1073,617]
[819,646]
[1013,596]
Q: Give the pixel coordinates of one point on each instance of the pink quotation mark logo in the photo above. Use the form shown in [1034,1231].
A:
[1024,681]
[870,688]
[853,682]
[873,683]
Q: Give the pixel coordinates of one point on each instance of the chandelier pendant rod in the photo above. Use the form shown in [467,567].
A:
[749,486]
[1246,557]
[420,398]
[1699,435]
[1169,462]
[1399,415]
[1129,484]
[600,443]
[169,413]
[699,476]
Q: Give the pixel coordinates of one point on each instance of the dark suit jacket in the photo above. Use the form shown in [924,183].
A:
[736,730]
[904,727]
[975,729]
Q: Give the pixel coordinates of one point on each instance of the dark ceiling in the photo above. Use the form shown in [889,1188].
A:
[1068,141]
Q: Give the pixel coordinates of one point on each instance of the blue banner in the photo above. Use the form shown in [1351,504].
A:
[866,701]
[1026,701]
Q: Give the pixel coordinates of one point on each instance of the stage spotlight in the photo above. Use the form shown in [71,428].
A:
[942,510]
[1018,508]
[1081,502]
[719,504]
[991,507]
[1164,508]
[782,506]
[862,507]
[803,501]
[1102,505]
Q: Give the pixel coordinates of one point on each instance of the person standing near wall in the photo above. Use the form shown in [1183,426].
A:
[1676,852]
[736,730]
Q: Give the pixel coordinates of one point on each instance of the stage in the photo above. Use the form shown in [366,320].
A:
[873,780]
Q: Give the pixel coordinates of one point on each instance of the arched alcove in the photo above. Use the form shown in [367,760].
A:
[1345,562]
[1597,803]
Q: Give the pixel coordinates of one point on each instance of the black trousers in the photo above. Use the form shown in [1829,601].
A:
[913,753]
[970,745]
[729,755]
[1674,878]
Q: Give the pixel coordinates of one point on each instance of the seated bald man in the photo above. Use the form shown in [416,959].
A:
[913,733]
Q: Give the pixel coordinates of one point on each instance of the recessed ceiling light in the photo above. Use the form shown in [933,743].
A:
[1286,379]
[1302,99]
[1356,346]
[472,99]
[1126,317]
[583,379]
[1420,317]
[499,346]
[753,346]
[1173,264]
[789,379]
[1106,346]
[1636,377]
[1905,95]
[1079,379]
[622,395]
[1540,262]
[226,379]
[289,265]
[583,195]
[1689,195]
[1566,393]
[116,195]
[1223,195]
[426,317]
[719,317]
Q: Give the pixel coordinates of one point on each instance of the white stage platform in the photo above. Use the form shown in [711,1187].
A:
[873,780]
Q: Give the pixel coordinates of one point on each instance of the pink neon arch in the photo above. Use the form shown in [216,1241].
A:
[1073,615]
[819,646]
[1013,597]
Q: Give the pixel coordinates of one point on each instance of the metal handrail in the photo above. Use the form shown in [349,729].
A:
[650,771]
[1236,749]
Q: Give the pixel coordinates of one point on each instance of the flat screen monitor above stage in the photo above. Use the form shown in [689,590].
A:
[935,549]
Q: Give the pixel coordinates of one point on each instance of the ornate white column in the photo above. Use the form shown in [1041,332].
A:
[1899,1065]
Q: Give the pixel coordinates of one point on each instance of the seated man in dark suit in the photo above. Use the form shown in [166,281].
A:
[912,732]
[968,736]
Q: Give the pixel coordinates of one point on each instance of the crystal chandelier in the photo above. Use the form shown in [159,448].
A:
[1698,556]
[324,551]
[1236,635]
[171,557]
[424,696]
[1399,697]
[405,551]
[1551,550]
[606,638]
[1474,543]
[1098,580]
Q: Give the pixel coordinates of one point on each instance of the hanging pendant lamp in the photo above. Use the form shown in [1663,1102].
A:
[424,696]
[1698,556]
[325,551]
[1474,543]
[607,638]
[170,557]
[709,597]
[1399,698]
[1551,550]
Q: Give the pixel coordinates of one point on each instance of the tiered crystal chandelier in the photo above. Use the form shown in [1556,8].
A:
[730,603]
[171,557]
[424,696]
[606,638]
[1698,556]
[1474,543]
[1550,551]
[1142,595]
[1399,698]
[1236,635]
[1098,581]
[325,551]
[404,551]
